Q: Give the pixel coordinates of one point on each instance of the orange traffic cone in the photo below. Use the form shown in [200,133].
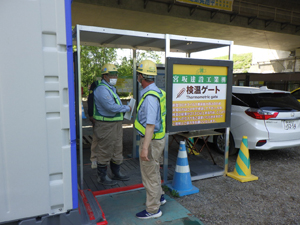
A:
[242,170]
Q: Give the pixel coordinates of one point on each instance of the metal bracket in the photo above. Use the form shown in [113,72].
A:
[268,22]
[283,25]
[212,14]
[192,10]
[232,17]
[251,19]
[170,7]
[145,3]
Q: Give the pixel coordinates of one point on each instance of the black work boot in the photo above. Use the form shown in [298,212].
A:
[102,176]
[115,169]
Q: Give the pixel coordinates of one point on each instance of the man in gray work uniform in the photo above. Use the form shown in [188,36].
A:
[108,114]
[150,124]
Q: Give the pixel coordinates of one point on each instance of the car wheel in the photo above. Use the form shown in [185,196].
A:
[219,144]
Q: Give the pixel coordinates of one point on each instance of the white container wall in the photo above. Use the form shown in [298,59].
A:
[35,158]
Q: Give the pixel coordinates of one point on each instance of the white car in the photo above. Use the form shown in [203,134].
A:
[269,118]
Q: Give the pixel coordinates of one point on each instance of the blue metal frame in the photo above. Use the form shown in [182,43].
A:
[71,102]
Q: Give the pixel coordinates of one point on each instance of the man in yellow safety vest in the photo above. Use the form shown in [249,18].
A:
[150,124]
[108,134]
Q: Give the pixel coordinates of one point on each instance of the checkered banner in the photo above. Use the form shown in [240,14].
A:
[213,4]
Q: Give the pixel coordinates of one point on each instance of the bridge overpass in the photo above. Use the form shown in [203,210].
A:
[272,24]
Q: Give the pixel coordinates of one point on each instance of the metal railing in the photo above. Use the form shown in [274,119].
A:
[266,12]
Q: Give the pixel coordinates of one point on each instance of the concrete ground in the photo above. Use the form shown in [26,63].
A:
[273,199]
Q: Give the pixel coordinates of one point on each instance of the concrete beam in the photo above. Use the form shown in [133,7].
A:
[151,16]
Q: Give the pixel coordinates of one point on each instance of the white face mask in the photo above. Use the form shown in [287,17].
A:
[140,86]
[113,81]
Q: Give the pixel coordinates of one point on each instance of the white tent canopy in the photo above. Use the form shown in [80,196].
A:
[116,38]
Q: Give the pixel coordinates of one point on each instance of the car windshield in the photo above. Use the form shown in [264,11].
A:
[277,101]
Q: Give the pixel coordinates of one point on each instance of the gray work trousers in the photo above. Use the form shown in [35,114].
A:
[107,142]
[93,147]
[151,175]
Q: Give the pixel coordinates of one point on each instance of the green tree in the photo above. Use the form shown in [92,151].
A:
[241,62]
[152,55]
[125,68]
[92,59]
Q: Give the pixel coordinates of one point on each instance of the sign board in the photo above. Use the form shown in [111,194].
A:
[198,94]
[124,84]
[160,78]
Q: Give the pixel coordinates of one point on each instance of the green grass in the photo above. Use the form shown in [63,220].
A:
[173,193]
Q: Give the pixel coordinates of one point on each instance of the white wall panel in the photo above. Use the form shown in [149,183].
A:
[35,164]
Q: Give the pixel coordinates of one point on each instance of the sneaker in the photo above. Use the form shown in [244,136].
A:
[145,215]
[94,165]
[162,200]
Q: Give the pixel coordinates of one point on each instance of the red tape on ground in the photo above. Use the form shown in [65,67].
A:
[120,189]
[87,205]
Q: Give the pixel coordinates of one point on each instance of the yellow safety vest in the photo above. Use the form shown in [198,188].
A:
[162,101]
[98,116]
